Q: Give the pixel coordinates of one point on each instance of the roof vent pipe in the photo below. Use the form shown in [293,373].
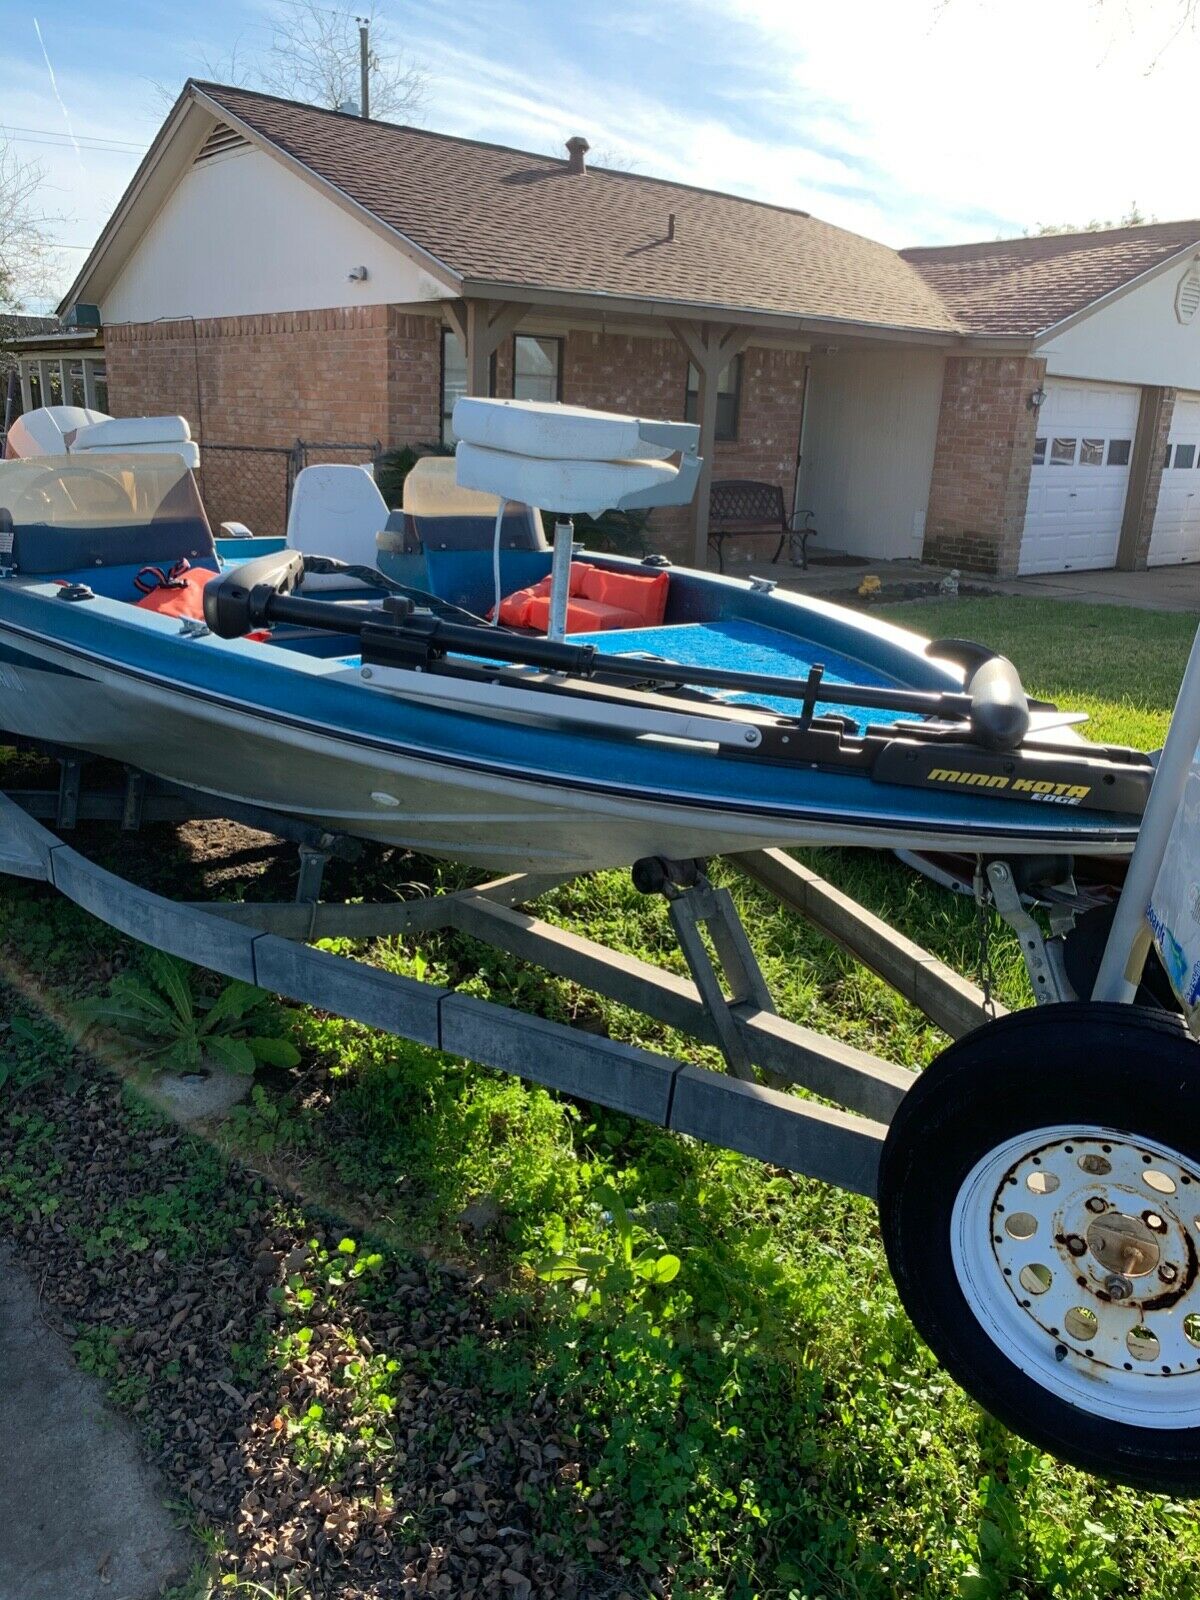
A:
[577,149]
[348,108]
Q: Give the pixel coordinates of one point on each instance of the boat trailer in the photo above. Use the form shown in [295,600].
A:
[1038,1183]
[725,1004]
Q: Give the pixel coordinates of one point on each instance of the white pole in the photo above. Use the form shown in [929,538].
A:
[1128,940]
[560,578]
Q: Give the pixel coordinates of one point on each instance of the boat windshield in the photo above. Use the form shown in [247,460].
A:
[440,515]
[108,510]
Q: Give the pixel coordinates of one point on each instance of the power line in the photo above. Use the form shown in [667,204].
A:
[53,138]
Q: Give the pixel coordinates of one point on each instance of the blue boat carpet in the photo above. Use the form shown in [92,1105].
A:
[748,647]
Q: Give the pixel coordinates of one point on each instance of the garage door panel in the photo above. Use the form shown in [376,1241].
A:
[1079,478]
[1176,534]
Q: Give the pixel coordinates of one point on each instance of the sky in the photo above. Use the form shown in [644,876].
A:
[912,121]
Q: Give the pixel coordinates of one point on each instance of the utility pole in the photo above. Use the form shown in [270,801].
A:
[364,64]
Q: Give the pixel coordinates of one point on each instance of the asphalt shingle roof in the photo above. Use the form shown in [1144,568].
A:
[1024,286]
[506,216]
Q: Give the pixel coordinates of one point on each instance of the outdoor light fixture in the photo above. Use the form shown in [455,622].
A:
[1037,399]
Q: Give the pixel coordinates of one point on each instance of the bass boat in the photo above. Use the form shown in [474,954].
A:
[441,678]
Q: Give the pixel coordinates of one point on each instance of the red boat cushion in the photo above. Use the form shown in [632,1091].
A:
[583,616]
[600,599]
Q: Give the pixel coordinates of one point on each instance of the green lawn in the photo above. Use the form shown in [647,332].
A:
[765,1423]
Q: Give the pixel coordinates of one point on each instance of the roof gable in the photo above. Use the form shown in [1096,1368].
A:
[1027,286]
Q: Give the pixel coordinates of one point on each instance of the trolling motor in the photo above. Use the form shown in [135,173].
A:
[406,631]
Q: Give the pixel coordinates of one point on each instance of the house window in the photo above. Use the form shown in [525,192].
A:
[537,368]
[1185,455]
[729,388]
[1062,453]
[1039,452]
[454,380]
[78,380]
[1118,452]
[1091,453]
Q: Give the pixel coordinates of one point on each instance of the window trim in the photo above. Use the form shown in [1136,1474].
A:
[736,364]
[545,338]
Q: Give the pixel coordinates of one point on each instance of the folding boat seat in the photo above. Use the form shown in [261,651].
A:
[336,511]
[137,436]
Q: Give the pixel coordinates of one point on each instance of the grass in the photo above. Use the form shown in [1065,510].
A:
[762,1422]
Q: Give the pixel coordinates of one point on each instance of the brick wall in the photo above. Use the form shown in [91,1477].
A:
[350,374]
[648,377]
[982,462]
[414,356]
[372,372]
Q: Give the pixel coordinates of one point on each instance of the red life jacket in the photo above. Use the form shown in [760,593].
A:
[180,593]
[176,593]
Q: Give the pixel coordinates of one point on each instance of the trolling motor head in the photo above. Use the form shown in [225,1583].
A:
[999,706]
[241,599]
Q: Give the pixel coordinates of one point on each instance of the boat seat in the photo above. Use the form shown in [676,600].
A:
[600,600]
[137,436]
[336,511]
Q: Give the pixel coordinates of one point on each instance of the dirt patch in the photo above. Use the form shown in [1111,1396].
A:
[325,1410]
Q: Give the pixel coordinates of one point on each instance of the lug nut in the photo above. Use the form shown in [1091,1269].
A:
[1096,1204]
[1168,1272]
[1119,1288]
[1075,1244]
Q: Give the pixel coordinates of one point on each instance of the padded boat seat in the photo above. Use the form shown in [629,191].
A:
[600,600]
[567,433]
[577,485]
[138,436]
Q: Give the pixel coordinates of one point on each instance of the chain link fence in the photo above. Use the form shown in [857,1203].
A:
[252,483]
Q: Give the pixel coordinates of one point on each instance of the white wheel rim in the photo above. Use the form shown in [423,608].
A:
[1113,1327]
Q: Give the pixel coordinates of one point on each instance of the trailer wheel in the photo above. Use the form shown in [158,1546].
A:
[1040,1205]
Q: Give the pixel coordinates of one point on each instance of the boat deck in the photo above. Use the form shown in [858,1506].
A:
[749,647]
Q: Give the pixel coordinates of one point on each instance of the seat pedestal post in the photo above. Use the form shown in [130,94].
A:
[560,577]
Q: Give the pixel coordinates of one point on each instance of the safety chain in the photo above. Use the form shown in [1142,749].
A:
[983,920]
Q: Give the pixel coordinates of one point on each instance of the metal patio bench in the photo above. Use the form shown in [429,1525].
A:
[743,507]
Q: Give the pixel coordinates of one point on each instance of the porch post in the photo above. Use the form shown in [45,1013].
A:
[482,325]
[710,347]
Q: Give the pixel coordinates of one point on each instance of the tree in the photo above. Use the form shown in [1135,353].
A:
[26,254]
[314,56]
[1134,217]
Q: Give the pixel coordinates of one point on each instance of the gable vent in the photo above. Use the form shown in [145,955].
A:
[1187,294]
[219,143]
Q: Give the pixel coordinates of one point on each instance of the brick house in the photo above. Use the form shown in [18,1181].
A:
[276,271]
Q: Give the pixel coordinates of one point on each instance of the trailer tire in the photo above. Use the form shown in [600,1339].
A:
[1039,1195]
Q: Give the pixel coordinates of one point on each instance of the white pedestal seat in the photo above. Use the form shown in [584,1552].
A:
[568,433]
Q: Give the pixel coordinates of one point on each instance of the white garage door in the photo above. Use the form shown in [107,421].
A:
[1079,478]
[1176,535]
